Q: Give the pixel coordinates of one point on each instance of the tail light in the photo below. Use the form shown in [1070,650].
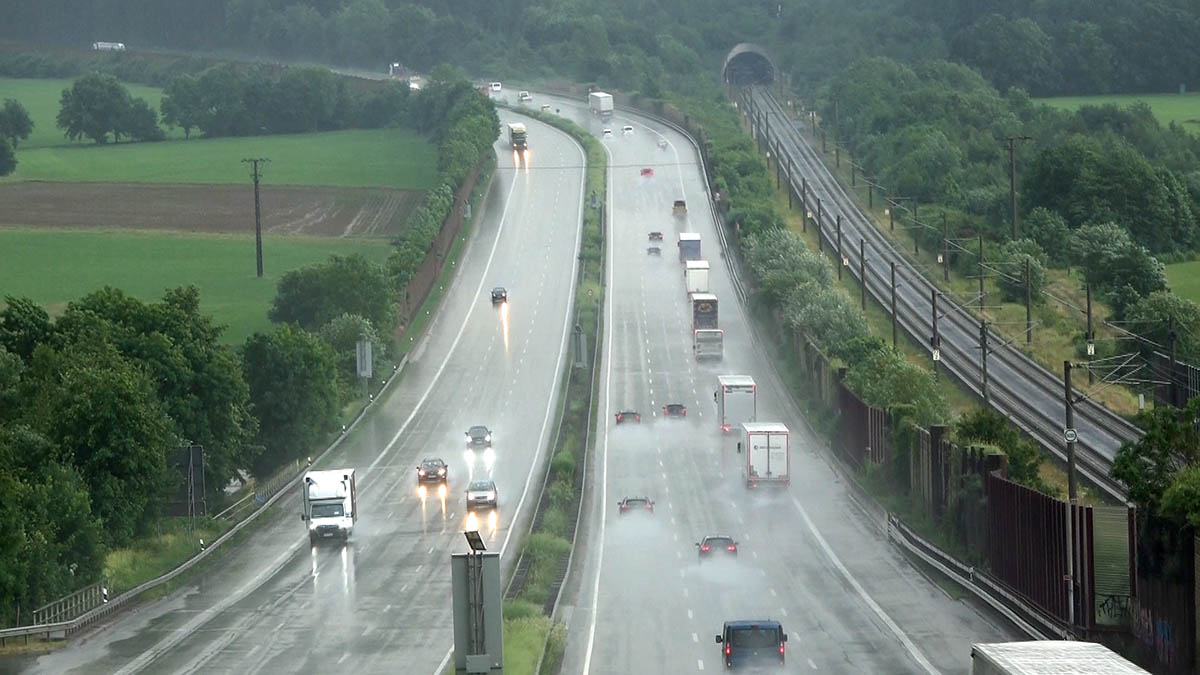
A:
[620,417]
[781,649]
[684,412]
[725,428]
[704,547]
[731,548]
[728,650]
[649,507]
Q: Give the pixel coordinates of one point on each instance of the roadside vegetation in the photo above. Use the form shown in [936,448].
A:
[1183,110]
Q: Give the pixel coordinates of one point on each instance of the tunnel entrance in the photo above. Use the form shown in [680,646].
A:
[748,64]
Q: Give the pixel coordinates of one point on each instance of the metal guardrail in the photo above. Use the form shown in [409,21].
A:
[64,629]
[1032,620]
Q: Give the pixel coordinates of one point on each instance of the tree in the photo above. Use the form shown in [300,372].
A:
[1010,52]
[222,101]
[23,326]
[140,122]
[8,157]
[293,388]
[1010,260]
[1112,262]
[315,294]
[15,123]
[182,104]
[1024,458]
[1147,467]
[198,381]
[1150,317]
[885,379]
[95,105]
[101,409]
[343,334]
[1051,233]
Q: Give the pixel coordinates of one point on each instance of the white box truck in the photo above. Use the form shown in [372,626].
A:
[600,104]
[695,276]
[765,448]
[1049,657]
[330,504]
[737,401]
[708,344]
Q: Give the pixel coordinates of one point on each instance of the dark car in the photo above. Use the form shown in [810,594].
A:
[481,494]
[636,503]
[499,295]
[716,544]
[752,643]
[654,250]
[674,410]
[656,236]
[629,416]
[432,470]
[648,172]
[479,435]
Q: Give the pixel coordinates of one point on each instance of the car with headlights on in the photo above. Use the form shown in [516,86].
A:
[481,494]
[432,470]
[479,435]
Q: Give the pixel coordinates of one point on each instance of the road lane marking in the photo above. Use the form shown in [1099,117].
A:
[912,648]
[811,664]
[695,638]
[783,611]
[689,613]
[345,655]
[700,664]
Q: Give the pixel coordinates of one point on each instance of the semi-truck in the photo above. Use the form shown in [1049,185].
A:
[516,135]
[1046,657]
[737,401]
[108,46]
[689,246]
[708,344]
[695,276]
[601,104]
[330,504]
[704,311]
[765,448]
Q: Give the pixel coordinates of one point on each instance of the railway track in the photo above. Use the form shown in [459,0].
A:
[1021,389]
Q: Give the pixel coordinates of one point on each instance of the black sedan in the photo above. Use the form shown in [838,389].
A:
[432,470]
[717,544]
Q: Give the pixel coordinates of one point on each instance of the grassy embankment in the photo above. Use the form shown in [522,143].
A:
[1182,109]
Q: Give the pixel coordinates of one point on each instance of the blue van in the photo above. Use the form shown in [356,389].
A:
[752,643]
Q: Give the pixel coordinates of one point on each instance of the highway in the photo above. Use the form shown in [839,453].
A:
[637,600]
[1030,395]
[273,604]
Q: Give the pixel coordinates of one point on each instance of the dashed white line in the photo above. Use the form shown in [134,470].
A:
[783,611]
[419,567]
[811,664]
[695,638]
[700,664]
[258,647]
[689,613]
[345,655]
[430,549]
[773,593]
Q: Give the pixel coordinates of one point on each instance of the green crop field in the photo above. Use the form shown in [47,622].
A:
[394,158]
[53,267]
[1183,109]
[1184,278]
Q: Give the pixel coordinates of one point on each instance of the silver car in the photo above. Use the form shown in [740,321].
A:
[481,494]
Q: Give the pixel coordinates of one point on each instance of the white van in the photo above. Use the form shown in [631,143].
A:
[496,87]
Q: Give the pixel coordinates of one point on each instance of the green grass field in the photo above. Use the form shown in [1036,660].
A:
[53,267]
[398,158]
[1184,278]
[394,158]
[1182,109]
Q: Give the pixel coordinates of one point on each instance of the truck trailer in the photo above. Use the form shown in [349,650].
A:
[689,246]
[108,46]
[516,136]
[737,401]
[1049,657]
[708,344]
[695,276]
[765,448]
[601,104]
[704,311]
[330,503]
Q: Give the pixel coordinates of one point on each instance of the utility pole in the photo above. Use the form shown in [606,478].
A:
[1091,337]
[862,273]
[870,194]
[790,184]
[1011,144]
[891,215]
[983,354]
[1028,304]
[894,339]
[1070,430]
[1171,341]
[945,249]
[981,274]
[820,217]
[935,340]
[257,211]
[840,259]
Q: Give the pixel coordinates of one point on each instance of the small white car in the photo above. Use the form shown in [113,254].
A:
[524,96]
[546,108]
[607,133]
[496,87]
[627,130]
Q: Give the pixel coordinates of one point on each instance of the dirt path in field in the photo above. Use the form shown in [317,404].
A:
[315,211]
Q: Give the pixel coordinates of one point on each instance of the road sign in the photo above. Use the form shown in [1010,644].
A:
[1071,435]
[937,355]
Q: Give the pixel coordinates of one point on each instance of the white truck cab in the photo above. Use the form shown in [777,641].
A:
[330,504]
